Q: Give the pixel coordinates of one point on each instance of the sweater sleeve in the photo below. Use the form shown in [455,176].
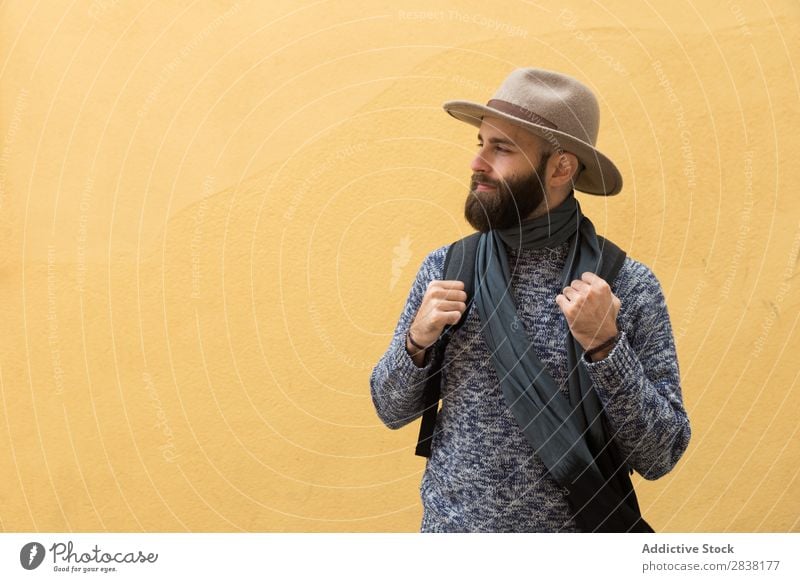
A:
[396,383]
[638,382]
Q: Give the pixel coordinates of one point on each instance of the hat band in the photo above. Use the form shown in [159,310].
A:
[520,112]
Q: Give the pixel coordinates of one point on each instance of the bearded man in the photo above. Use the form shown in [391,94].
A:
[555,383]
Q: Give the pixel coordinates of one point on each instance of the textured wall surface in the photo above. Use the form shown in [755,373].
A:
[211,213]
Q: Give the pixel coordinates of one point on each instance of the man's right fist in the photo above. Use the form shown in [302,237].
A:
[442,304]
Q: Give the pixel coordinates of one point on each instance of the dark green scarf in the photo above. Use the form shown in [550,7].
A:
[568,434]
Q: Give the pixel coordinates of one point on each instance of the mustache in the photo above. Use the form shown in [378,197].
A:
[477,179]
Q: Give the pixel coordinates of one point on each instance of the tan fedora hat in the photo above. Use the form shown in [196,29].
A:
[558,108]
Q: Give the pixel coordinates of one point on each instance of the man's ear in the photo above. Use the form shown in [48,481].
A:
[567,167]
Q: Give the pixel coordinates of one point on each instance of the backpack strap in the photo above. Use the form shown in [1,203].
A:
[459,265]
[609,459]
[611,260]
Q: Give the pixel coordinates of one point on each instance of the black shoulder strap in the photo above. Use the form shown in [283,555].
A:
[609,459]
[611,260]
[459,265]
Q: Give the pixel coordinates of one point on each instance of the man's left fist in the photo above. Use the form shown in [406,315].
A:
[591,310]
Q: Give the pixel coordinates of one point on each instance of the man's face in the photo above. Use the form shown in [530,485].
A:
[508,174]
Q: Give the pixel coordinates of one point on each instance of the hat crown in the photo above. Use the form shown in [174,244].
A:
[563,101]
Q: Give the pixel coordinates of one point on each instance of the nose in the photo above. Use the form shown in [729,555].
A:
[479,164]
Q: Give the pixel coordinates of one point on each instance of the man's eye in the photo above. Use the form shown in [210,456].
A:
[496,148]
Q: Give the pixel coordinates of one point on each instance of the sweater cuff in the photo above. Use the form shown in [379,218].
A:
[609,374]
[407,370]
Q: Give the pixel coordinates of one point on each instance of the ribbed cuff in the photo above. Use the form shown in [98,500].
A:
[406,368]
[618,368]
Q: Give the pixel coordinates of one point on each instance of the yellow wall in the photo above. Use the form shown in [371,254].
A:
[210,215]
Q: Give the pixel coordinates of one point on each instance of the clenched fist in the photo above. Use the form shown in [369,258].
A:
[442,304]
[591,310]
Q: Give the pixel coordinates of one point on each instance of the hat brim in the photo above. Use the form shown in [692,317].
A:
[600,176]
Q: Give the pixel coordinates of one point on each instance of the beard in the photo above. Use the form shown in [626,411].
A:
[508,204]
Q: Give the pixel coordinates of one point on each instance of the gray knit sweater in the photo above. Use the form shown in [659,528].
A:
[483,475]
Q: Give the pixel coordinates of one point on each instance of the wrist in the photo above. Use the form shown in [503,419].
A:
[602,350]
[600,355]
[412,346]
[420,357]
